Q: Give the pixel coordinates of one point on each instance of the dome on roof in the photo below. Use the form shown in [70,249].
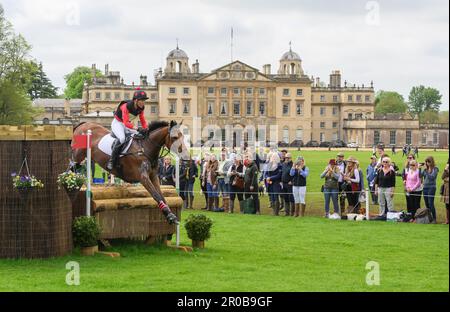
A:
[290,56]
[177,53]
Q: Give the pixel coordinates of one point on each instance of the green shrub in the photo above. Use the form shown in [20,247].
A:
[198,227]
[85,231]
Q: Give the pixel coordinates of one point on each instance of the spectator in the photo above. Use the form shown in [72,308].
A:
[203,165]
[371,173]
[393,150]
[251,182]
[212,185]
[331,174]
[385,186]
[445,190]
[286,183]
[236,174]
[416,151]
[352,184]
[405,150]
[224,181]
[184,165]
[167,172]
[413,188]
[342,165]
[273,179]
[192,174]
[381,152]
[299,173]
[430,174]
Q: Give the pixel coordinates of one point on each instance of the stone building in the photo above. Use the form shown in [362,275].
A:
[237,102]
[58,111]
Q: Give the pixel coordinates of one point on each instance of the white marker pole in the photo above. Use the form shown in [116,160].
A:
[88,173]
[367,204]
[178,234]
[177,173]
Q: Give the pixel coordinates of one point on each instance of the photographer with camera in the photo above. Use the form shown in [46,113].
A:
[299,173]
[331,174]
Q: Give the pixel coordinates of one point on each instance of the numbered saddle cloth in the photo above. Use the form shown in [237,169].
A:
[105,144]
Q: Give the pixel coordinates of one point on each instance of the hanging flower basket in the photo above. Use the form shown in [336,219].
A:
[25,185]
[71,182]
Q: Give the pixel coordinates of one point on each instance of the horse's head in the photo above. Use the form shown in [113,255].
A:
[175,141]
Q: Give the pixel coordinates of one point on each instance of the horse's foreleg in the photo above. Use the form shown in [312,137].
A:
[156,194]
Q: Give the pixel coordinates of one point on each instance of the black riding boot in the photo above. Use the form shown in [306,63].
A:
[112,163]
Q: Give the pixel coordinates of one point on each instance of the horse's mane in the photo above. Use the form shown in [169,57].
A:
[155,125]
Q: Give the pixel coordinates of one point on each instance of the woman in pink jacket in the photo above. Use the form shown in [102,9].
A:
[413,187]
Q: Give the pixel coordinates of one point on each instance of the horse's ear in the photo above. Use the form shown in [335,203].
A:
[181,123]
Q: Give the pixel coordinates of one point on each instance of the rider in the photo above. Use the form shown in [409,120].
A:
[125,114]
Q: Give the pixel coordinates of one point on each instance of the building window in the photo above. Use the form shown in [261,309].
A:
[335,98]
[223,91]
[299,92]
[172,90]
[367,98]
[350,116]
[335,136]
[322,125]
[299,108]
[376,137]
[285,92]
[262,108]
[116,96]
[359,116]
[249,91]
[286,108]
[153,109]
[210,91]
[126,96]
[249,108]
[98,95]
[424,138]
[322,137]
[236,108]
[153,96]
[350,98]
[335,124]
[393,137]
[286,135]
[359,98]
[186,107]
[322,98]
[210,108]
[172,107]
[299,134]
[186,91]
[322,111]
[335,111]
[236,91]
[408,137]
[107,95]
[435,138]
[224,108]
[262,91]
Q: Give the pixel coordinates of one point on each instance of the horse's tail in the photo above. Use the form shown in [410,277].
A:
[80,124]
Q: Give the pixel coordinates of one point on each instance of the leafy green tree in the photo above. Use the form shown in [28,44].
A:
[443,117]
[423,99]
[390,102]
[76,79]
[14,52]
[429,117]
[41,87]
[15,105]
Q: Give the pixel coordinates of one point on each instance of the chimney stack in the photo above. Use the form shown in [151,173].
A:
[67,107]
[335,79]
[267,69]
[143,80]
[106,69]
[317,82]
[196,67]
[94,72]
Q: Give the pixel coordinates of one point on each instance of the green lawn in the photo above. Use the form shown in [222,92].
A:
[258,253]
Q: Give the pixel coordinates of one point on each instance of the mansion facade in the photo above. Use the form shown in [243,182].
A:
[237,102]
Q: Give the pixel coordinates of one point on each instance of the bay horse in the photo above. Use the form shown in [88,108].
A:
[140,163]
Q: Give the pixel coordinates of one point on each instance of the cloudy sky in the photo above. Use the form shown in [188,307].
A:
[397,44]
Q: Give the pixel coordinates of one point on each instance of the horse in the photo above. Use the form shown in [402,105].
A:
[140,163]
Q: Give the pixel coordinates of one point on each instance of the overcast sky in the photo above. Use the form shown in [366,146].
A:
[397,44]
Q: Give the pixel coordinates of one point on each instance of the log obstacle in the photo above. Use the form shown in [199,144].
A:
[128,211]
[38,223]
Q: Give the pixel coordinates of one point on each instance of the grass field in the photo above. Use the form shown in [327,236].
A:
[317,160]
[258,253]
